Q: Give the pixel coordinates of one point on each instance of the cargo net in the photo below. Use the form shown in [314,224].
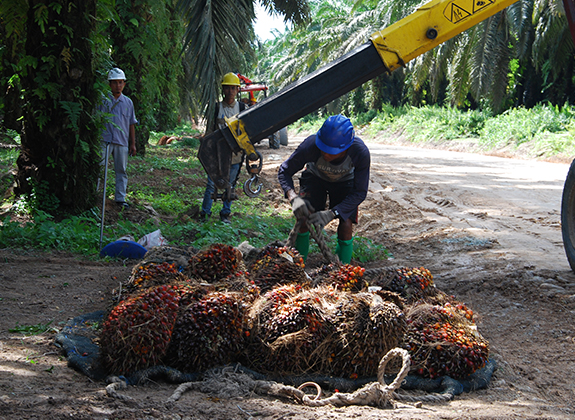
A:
[186,315]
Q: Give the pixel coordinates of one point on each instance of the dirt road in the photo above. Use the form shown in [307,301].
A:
[515,203]
[488,229]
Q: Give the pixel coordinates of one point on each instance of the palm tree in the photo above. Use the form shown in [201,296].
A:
[552,50]
[475,65]
[60,148]
[336,28]
[220,38]
[477,62]
[12,40]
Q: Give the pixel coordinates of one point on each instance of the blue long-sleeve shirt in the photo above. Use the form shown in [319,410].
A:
[117,127]
[307,151]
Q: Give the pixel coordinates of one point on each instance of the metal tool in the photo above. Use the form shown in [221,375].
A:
[253,186]
[104,192]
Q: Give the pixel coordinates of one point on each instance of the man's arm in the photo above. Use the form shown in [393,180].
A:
[305,152]
[132,140]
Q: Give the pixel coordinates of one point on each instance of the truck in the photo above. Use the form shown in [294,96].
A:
[388,49]
[278,138]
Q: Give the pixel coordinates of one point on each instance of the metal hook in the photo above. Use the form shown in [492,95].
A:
[248,186]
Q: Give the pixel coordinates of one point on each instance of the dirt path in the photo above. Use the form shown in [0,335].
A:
[513,202]
[488,229]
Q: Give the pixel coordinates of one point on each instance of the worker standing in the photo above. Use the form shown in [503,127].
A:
[227,108]
[119,135]
[336,167]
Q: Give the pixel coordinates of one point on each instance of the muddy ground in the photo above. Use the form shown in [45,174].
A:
[487,227]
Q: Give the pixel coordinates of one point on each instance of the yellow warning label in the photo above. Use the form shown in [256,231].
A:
[461,9]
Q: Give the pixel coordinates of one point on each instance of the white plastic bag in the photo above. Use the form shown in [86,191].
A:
[152,239]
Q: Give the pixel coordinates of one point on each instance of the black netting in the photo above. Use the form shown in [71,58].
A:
[78,341]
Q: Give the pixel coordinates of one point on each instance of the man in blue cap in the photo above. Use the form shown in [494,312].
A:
[336,167]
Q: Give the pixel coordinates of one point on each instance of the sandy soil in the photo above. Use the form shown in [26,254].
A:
[487,227]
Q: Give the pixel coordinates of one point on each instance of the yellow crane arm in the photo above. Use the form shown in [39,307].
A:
[388,49]
[430,25]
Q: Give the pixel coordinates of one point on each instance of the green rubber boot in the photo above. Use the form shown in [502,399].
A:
[302,244]
[344,250]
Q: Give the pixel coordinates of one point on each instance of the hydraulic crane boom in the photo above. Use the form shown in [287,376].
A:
[387,50]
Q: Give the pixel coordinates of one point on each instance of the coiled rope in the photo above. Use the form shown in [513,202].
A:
[228,382]
[375,394]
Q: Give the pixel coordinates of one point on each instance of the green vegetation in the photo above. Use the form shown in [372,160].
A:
[519,125]
[170,180]
[548,130]
[32,329]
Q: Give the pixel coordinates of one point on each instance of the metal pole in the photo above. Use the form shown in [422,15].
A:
[104,192]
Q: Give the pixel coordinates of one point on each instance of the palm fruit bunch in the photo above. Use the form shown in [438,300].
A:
[368,326]
[215,263]
[443,342]
[152,274]
[264,308]
[191,292]
[239,282]
[287,252]
[287,326]
[450,303]
[345,277]
[410,283]
[137,332]
[277,265]
[208,332]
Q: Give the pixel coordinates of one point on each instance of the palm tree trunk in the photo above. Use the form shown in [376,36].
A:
[59,161]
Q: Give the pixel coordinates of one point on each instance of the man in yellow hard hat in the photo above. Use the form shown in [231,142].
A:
[227,108]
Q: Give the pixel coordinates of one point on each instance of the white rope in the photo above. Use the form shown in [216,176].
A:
[115,385]
[376,393]
[229,383]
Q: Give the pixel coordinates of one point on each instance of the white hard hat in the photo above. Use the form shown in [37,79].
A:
[116,74]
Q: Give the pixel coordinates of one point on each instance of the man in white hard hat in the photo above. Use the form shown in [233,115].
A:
[119,135]
[227,108]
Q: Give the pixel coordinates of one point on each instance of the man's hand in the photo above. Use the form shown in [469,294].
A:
[300,208]
[321,218]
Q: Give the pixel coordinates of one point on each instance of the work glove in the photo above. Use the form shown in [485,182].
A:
[321,218]
[301,208]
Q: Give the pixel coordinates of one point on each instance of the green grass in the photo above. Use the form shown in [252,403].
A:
[429,123]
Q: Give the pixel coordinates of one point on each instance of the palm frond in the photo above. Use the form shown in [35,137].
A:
[490,50]
[459,69]
[294,11]
[520,20]
[217,35]
[552,41]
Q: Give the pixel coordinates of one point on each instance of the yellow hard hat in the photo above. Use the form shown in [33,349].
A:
[231,79]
